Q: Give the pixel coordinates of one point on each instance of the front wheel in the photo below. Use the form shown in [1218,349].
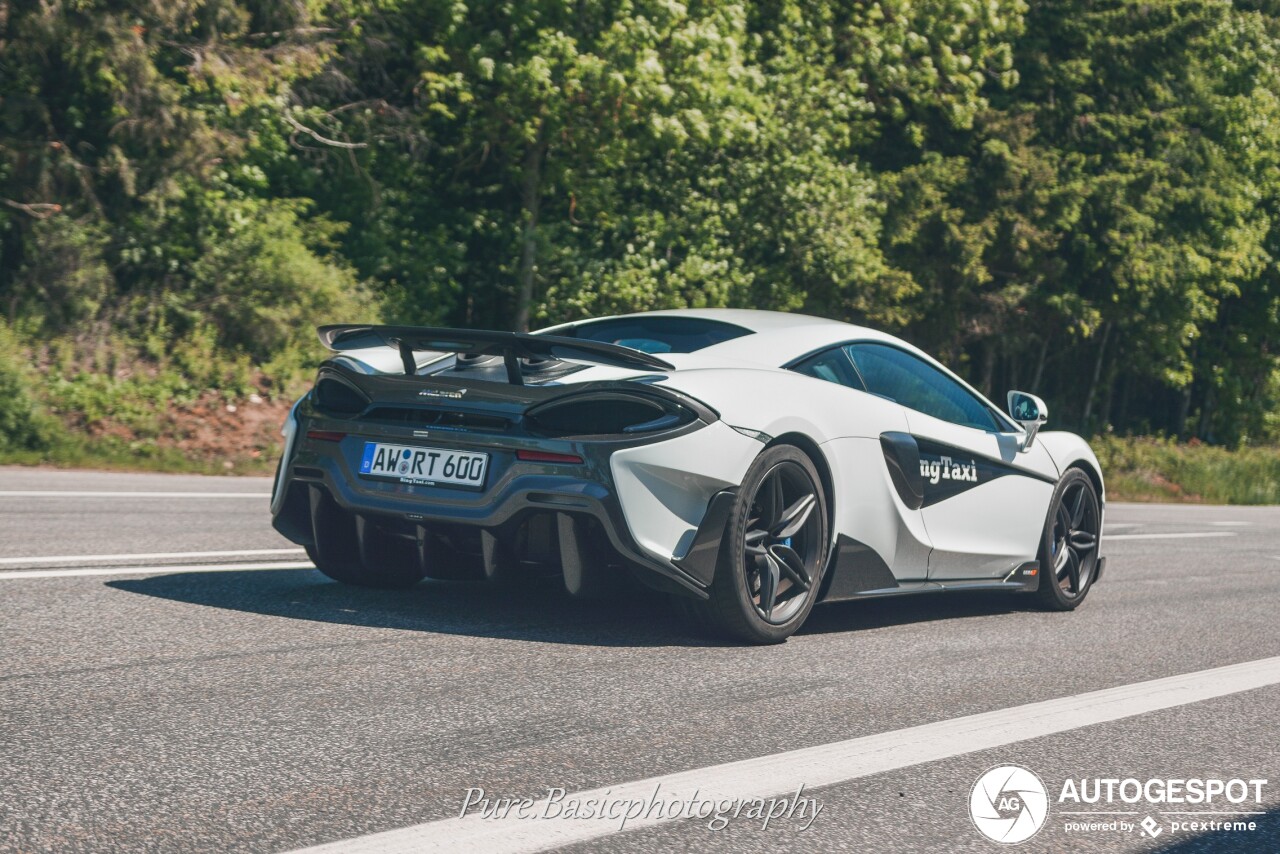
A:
[773,553]
[1069,547]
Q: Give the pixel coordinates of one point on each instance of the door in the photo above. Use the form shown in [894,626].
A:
[880,533]
[984,501]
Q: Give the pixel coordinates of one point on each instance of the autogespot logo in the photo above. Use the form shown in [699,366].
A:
[1009,804]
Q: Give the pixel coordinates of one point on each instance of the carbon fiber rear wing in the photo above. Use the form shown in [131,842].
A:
[511,346]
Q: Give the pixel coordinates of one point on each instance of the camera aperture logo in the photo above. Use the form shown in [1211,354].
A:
[1009,804]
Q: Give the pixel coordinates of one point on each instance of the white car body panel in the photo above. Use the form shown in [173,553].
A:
[965,544]
[1067,450]
[665,487]
[869,510]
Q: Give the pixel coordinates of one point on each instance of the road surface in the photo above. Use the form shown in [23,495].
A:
[174,677]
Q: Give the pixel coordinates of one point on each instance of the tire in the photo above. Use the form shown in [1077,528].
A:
[1069,543]
[781,494]
[397,574]
[387,562]
[343,572]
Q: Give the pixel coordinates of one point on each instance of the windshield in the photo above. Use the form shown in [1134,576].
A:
[657,334]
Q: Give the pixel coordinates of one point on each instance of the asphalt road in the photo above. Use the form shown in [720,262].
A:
[222,703]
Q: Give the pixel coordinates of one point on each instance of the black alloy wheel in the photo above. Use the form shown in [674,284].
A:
[774,551]
[1069,551]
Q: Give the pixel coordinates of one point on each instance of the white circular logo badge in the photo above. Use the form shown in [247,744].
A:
[1009,804]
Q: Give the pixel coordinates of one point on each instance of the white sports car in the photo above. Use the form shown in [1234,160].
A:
[751,463]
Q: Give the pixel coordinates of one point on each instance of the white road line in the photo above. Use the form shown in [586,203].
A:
[49,493]
[82,572]
[811,767]
[1171,505]
[91,559]
[1191,535]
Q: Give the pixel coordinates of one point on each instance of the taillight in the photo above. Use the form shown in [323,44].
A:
[547,457]
[326,435]
[607,415]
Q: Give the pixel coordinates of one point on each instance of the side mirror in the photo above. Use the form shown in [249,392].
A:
[1029,411]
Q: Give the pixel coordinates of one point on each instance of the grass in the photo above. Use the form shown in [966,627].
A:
[186,408]
[1153,469]
[112,454]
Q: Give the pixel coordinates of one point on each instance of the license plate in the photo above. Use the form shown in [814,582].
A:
[425,466]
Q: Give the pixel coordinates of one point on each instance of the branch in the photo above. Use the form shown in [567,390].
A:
[296,31]
[39,210]
[301,128]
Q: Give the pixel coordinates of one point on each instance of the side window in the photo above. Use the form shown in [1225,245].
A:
[833,366]
[901,377]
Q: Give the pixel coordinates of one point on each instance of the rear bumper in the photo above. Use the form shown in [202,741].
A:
[319,470]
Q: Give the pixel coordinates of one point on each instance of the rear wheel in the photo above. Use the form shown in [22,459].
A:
[1069,548]
[385,561]
[773,553]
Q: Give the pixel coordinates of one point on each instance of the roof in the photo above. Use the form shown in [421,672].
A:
[748,318]
[779,336]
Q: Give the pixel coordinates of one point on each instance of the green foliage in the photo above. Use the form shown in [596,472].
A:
[23,425]
[1164,470]
[135,214]
[266,277]
[1079,197]
[65,279]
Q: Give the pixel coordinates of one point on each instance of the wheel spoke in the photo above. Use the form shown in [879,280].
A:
[791,564]
[1083,571]
[1060,556]
[1082,541]
[794,517]
[1073,570]
[770,575]
[769,500]
[1077,510]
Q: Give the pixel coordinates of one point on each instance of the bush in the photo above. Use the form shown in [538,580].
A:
[23,424]
[1156,469]
[269,277]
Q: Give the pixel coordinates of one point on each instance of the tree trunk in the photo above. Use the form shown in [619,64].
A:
[1126,396]
[1205,431]
[1044,355]
[988,366]
[1184,412]
[530,202]
[1108,396]
[1097,372]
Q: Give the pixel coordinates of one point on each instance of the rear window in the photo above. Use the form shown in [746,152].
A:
[657,334]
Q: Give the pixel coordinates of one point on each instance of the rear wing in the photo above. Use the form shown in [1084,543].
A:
[511,346]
